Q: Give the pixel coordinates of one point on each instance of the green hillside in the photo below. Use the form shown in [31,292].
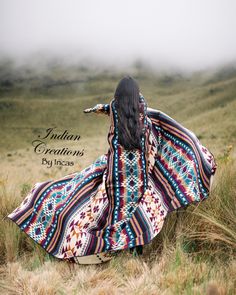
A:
[31,101]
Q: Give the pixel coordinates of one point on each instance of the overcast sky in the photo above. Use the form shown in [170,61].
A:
[185,33]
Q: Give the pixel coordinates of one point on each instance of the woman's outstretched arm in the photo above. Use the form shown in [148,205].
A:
[100,108]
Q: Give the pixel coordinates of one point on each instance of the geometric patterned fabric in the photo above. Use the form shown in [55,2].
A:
[121,199]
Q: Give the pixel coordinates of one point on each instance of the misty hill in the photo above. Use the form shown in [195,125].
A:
[34,99]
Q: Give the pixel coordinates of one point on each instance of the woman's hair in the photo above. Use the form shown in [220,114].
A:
[127,106]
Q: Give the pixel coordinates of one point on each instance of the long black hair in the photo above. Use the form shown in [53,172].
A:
[127,106]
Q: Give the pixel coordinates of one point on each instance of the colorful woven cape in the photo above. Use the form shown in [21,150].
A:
[122,198]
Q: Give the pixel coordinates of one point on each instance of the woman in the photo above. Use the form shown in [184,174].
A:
[153,166]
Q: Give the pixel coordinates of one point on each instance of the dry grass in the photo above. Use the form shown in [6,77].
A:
[174,272]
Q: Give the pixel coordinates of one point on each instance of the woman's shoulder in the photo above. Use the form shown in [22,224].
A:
[151,112]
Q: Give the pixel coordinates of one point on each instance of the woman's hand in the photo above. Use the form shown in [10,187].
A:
[99,108]
[89,110]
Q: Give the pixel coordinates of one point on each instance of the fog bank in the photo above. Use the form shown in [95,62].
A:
[184,34]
